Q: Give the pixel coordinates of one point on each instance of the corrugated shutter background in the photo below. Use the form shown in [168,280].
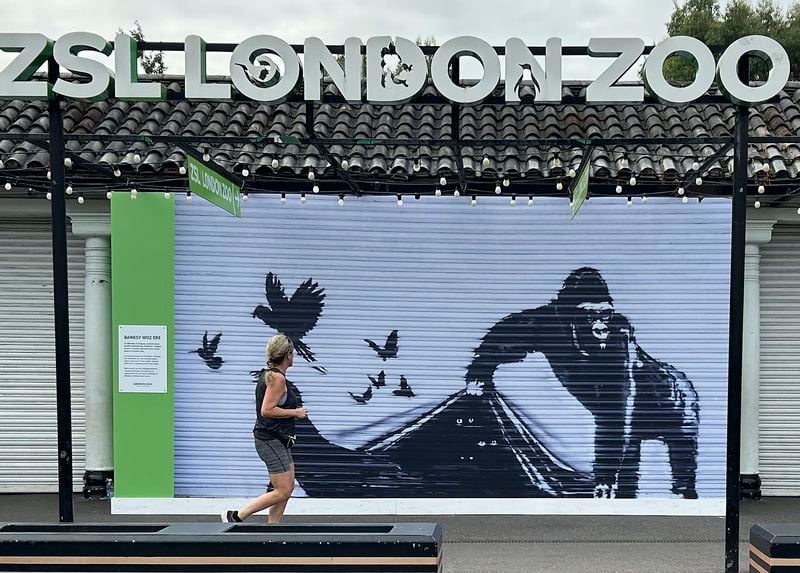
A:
[28,439]
[441,273]
[779,407]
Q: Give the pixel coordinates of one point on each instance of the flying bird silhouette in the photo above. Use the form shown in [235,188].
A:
[208,351]
[296,316]
[380,381]
[363,398]
[389,350]
[405,389]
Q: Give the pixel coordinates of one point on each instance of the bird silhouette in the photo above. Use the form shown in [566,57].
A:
[380,381]
[208,351]
[363,398]
[296,316]
[389,350]
[405,389]
[536,87]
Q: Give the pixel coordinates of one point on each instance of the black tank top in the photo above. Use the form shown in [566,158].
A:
[270,428]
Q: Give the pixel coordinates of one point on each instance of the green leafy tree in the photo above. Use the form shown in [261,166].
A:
[708,22]
[151,62]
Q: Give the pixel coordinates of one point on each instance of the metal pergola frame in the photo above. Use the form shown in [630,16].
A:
[342,181]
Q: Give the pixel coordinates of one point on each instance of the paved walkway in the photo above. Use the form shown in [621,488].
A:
[512,543]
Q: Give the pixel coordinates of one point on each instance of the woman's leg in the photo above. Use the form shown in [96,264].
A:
[283,483]
[276,511]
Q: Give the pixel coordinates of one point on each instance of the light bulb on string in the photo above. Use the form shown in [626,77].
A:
[283,198]
[341,199]
[245,172]
[399,200]
[443,181]
[245,196]
[274,164]
[49,175]
[498,189]
[138,158]
[206,156]
[49,196]
[134,193]
[684,199]
[438,192]
[571,173]
[80,200]
[698,181]
[618,189]
[345,164]
[68,162]
[513,200]
[632,181]
[69,190]
[695,166]
[167,195]
[7,186]
[765,168]
[474,202]
[757,204]
[681,191]
[315,188]
[416,166]
[311,175]
[761,189]
[302,198]
[559,186]
[117,172]
[506,182]
[109,195]
[530,200]
[182,170]
[456,193]
[485,163]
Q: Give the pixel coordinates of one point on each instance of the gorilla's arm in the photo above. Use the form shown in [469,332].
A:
[508,341]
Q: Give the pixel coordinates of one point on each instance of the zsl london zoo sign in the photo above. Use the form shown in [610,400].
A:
[396,70]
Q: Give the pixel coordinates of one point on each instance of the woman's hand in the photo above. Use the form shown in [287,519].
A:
[300,412]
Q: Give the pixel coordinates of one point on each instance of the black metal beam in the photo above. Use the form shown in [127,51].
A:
[61,303]
[735,331]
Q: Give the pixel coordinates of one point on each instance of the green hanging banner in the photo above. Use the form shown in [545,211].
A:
[214,187]
[579,188]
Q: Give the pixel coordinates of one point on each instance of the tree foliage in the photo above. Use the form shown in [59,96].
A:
[151,62]
[715,26]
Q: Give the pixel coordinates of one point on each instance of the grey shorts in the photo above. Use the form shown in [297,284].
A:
[273,453]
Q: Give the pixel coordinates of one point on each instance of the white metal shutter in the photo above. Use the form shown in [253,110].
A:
[442,273]
[28,436]
[779,403]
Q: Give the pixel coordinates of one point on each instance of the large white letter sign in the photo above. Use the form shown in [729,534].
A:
[195,63]
[66,53]
[658,85]
[255,72]
[465,46]
[15,79]
[760,46]
[396,70]
[519,59]
[627,51]
[127,86]
[317,56]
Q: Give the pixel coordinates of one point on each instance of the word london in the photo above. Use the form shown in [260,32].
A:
[396,70]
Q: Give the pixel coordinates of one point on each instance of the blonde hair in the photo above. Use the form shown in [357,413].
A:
[278,347]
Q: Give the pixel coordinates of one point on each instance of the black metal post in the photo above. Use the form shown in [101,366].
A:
[61,301]
[736,322]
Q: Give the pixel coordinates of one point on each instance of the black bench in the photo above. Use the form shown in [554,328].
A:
[775,548]
[205,547]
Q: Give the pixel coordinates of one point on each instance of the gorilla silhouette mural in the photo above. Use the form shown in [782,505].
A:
[479,443]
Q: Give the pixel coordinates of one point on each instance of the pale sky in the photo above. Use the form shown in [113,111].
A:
[575,21]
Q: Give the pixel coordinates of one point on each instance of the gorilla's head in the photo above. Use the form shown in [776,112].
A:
[584,301]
